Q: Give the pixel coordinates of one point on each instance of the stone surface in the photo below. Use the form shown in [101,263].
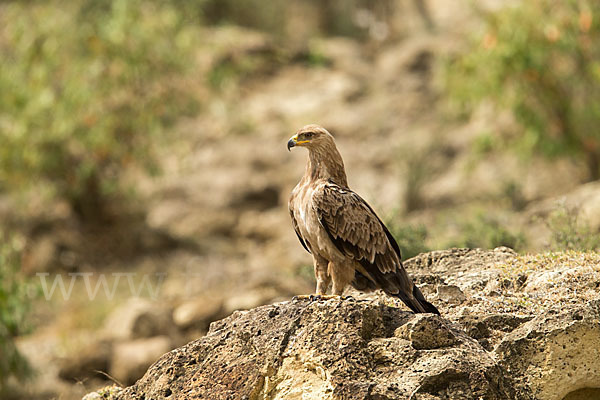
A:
[130,359]
[526,327]
[450,294]
[249,299]
[107,393]
[86,364]
[427,332]
[322,350]
[198,312]
[555,353]
[139,318]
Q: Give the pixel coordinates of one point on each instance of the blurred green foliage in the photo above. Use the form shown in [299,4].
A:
[329,17]
[569,233]
[540,60]
[249,13]
[14,306]
[89,88]
[411,239]
[486,232]
[306,272]
[86,87]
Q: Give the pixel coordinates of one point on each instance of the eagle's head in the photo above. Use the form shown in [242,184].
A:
[310,136]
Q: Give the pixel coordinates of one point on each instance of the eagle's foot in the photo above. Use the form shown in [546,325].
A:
[303,297]
[317,297]
[325,297]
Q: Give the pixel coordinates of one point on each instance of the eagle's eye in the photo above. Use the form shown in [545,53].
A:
[309,134]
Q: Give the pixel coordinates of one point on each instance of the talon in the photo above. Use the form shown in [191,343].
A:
[326,297]
[302,297]
[348,298]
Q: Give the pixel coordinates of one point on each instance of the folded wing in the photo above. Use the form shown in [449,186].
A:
[358,233]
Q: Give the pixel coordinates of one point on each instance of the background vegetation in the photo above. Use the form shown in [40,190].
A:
[15,302]
[539,60]
[96,95]
[87,90]
[569,232]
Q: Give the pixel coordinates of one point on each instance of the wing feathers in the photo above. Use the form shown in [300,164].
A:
[354,228]
[359,234]
[297,230]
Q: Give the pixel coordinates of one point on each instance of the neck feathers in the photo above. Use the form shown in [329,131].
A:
[325,162]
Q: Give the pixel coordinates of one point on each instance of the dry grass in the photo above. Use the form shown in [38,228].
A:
[537,282]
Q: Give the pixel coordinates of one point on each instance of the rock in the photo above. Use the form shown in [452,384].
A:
[554,353]
[428,332]
[139,318]
[584,198]
[537,337]
[86,364]
[322,350]
[458,262]
[199,312]
[450,294]
[249,299]
[107,393]
[489,329]
[584,394]
[131,359]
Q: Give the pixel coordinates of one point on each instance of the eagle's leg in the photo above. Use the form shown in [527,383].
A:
[323,278]
[341,275]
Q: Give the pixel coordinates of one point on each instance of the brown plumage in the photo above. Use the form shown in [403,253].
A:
[348,241]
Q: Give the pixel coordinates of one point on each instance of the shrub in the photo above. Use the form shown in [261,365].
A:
[85,88]
[14,305]
[539,60]
[487,232]
[568,233]
[411,239]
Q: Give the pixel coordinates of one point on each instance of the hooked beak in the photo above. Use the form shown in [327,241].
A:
[292,142]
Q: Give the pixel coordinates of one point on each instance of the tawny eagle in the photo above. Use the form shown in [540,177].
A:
[348,242]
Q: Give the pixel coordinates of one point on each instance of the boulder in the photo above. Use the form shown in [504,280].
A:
[249,299]
[426,331]
[197,312]
[450,294]
[106,393]
[555,353]
[512,327]
[324,350]
[91,362]
[131,359]
[139,318]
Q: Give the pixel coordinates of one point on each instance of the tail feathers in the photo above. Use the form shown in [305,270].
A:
[417,302]
[430,308]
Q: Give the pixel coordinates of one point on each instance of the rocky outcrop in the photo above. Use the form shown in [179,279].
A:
[512,327]
[555,353]
[326,350]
